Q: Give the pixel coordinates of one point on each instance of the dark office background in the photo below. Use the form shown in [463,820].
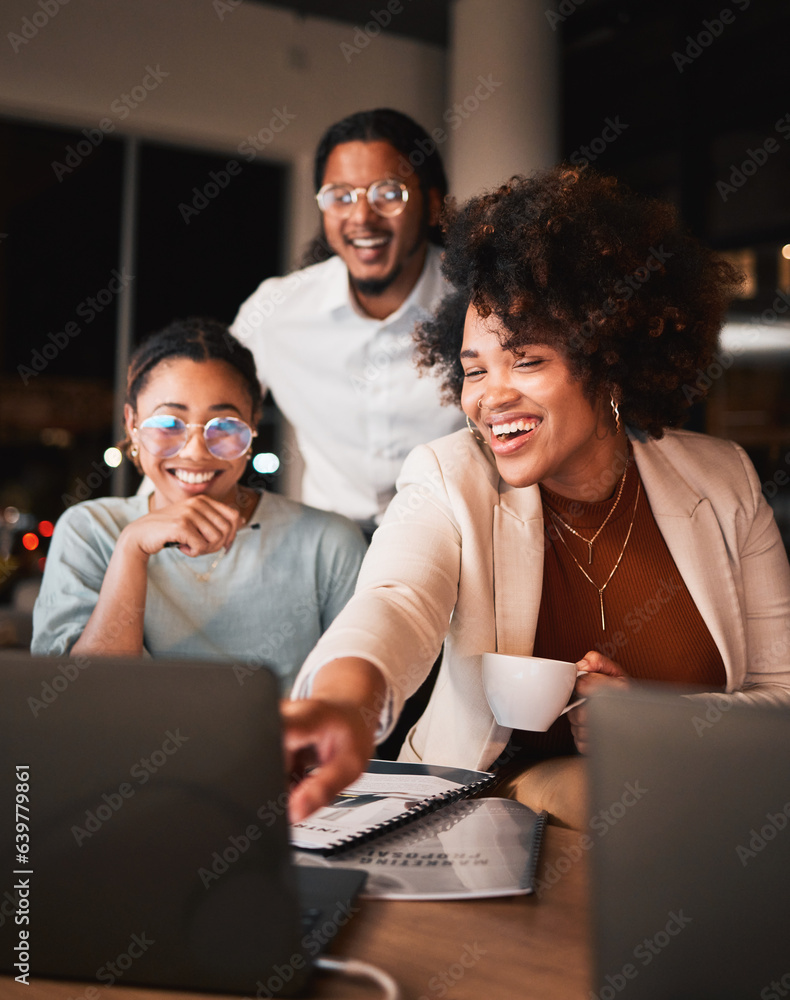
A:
[689,121]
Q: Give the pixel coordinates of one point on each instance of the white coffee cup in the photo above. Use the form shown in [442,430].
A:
[529,692]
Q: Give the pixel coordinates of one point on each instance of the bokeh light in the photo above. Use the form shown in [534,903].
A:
[30,540]
[113,457]
[266,463]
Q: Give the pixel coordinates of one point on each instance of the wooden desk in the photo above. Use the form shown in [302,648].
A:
[498,949]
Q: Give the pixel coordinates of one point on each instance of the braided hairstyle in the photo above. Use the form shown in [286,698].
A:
[196,339]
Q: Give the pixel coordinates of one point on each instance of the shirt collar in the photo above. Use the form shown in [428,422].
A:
[430,288]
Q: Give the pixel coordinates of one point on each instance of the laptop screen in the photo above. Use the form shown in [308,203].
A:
[150,843]
[690,804]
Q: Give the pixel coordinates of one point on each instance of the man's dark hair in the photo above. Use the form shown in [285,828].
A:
[419,155]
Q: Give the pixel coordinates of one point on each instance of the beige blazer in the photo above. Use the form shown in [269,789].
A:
[460,555]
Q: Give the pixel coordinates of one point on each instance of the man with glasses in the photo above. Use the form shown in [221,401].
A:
[333,341]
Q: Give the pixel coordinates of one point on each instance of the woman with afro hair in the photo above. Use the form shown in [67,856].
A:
[573,519]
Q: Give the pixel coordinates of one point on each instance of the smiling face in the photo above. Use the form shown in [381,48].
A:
[195,391]
[384,256]
[535,416]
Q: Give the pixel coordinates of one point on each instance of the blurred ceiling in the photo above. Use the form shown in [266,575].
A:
[425,20]
[699,83]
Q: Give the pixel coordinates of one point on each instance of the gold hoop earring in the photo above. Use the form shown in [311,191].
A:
[618,424]
[480,405]
[474,431]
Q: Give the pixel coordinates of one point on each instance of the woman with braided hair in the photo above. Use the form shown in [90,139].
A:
[203,566]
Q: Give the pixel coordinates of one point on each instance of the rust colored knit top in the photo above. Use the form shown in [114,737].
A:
[653,628]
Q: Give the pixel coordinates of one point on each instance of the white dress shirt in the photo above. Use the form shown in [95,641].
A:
[346,382]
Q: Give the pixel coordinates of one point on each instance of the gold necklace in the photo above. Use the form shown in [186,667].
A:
[614,568]
[242,499]
[205,577]
[589,541]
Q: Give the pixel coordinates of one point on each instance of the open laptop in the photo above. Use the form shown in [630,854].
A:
[690,847]
[144,835]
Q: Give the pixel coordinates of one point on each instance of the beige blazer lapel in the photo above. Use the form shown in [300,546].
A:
[517,551]
[686,521]
[694,538]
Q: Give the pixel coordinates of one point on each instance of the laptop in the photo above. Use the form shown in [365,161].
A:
[690,852]
[144,836]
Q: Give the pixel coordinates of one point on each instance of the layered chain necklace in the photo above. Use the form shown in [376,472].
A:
[589,541]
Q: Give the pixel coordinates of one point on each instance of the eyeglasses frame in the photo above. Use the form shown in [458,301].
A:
[189,428]
[356,191]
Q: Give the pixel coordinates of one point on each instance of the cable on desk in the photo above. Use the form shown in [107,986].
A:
[361,970]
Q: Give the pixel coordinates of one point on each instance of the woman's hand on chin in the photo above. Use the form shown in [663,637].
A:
[197,525]
[602,673]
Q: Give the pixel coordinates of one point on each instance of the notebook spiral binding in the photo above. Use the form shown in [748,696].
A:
[423,808]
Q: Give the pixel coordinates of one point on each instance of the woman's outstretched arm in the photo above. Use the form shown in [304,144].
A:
[329,737]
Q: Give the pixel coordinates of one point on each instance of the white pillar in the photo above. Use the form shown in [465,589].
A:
[503,111]
[302,223]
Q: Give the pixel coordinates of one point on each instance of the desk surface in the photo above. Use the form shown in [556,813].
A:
[521,946]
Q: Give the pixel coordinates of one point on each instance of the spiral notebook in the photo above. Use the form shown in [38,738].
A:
[472,849]
[387,795]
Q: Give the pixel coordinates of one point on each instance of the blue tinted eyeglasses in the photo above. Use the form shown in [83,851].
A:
[164,436]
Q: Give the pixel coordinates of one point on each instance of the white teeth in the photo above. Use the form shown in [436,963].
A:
[192,477]
[502,430]
[368,243]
